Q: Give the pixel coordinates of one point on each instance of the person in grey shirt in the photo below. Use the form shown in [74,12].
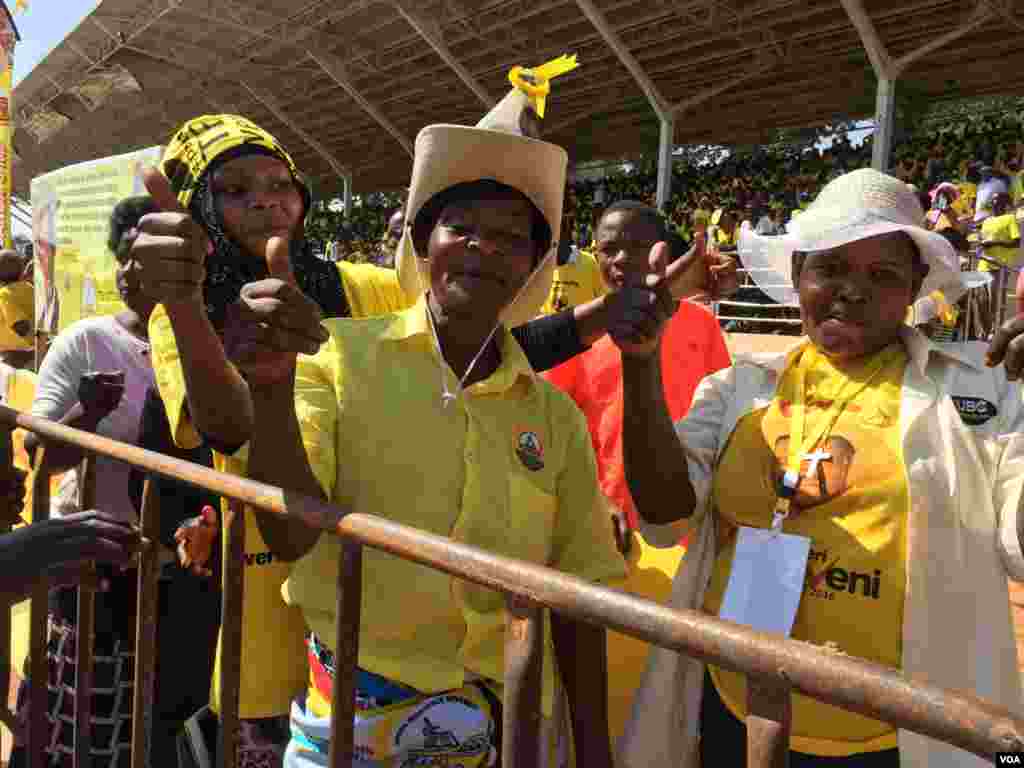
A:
[990,186]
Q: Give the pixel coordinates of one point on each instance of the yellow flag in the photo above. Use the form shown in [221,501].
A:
[20,5]
[536,82]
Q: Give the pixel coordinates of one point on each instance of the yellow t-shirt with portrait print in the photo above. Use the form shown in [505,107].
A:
[576,282]
[853,506]
[273,665]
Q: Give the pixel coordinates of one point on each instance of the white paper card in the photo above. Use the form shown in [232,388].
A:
[767,580]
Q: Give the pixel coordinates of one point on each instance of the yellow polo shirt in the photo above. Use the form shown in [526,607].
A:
[575,283]
[507,467]
[273,666]
[854,509]
[372,290]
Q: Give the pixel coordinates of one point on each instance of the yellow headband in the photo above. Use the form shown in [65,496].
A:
[536,82]
[202,139]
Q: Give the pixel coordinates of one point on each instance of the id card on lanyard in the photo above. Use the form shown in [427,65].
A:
[766,581]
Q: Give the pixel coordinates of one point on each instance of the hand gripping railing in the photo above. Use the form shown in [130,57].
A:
[776,667]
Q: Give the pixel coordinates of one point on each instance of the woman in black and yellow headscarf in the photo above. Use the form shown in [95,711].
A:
[208,181]
[227,186]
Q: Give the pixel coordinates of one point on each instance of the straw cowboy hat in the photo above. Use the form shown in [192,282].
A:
[495,149]
[855,206]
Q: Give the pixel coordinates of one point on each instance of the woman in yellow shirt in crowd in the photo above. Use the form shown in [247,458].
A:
[509,466]
[17,299]
[1000,235]
[942,213]
[726,231]
[229,184]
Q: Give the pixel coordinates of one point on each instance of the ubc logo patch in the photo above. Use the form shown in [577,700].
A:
[974,411]
[530,451]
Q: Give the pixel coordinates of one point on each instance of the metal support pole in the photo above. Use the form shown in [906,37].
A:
[657,100]
[885,117]
[231,634]
[148,590]
[347,195]
[39,668]
[769,720]
[665,146]
[524,659]
[86,623]
[346,654]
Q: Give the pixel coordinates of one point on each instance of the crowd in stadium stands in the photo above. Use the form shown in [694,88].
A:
[530,367]
[767,182]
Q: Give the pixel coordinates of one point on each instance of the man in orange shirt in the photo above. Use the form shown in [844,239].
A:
[693,347]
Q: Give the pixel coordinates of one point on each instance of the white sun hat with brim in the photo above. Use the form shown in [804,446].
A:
[447,155]
[948,187]
[857,205]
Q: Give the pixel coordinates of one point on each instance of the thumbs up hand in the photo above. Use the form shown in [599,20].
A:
[272,322]
[703,274]
[638,311]
[171,247]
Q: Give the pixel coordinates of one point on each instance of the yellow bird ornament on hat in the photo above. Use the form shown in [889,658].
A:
[523,107]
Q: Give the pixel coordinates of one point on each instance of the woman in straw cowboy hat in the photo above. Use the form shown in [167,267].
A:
[228,185]
[900,460]
[432,417]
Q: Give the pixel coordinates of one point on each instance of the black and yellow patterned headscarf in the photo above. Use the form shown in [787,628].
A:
[195,151]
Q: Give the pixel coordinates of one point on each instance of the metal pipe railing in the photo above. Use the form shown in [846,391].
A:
[774,665]
[756,304]
[783,320]
[39,605]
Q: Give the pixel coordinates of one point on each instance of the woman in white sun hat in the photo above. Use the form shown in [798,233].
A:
[432,417]
[901,460]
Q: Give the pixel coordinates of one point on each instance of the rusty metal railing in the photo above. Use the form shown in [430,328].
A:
[775,666]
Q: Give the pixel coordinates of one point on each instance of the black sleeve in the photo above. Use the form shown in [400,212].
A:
[550,341]
[222,448]
[149,438]
[178,501]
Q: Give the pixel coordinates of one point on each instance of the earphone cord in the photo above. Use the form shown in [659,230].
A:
[447,396]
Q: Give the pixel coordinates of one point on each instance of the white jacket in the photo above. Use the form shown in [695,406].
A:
[965,484]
